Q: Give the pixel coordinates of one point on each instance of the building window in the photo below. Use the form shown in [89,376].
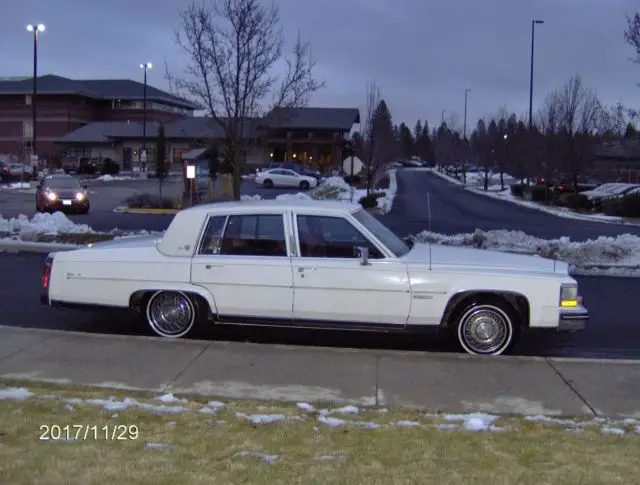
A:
[27,129]
[27,100]
[178,154]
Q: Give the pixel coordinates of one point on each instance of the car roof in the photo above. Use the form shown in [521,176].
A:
[284,204]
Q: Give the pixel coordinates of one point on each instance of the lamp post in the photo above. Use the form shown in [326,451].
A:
[442,117]
[466,92]
[35,28]
[533,31]
[143,153]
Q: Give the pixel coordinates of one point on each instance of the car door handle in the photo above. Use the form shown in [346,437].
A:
[302,269]
[211,266]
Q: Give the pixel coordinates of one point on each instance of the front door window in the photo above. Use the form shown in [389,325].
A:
[332,237]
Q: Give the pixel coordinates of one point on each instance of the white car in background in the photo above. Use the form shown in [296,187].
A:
[314,264]
[283,177]
[610,191]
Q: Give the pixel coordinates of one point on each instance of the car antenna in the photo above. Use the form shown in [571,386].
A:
[429,216]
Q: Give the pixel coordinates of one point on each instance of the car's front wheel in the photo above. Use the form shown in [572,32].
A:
[268,183]
[486,329]
[171,314]
[304,185]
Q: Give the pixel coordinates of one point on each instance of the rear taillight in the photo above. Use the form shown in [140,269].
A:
[46,274]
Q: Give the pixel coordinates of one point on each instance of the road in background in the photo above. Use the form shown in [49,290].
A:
[613,331]
[456,210]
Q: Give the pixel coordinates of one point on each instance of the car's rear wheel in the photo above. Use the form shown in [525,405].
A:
[304,185]
[268,183]
[486,328]
[171,314]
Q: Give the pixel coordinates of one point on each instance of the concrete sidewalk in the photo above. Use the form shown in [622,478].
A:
[455,383]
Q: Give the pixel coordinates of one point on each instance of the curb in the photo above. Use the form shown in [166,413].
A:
[8,246]
[131,210]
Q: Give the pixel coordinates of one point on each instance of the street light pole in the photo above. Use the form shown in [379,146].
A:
[146,66]
[35,28]
[466,92]
[533,30]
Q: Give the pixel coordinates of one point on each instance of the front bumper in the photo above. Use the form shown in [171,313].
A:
[66,204]
[573,319]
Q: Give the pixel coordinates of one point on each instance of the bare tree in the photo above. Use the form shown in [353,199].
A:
[632,35]
[373,98]
[234,46]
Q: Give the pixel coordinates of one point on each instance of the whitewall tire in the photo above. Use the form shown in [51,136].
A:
[486,330]
[171,314]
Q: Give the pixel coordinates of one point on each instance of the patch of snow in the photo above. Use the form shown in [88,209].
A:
[620,254]
[69,407]
[611,430]
[265,418]
[330,421]
[171,423]
[347,410]
[42,223]
[386,203]
[74,400]
[112,404]
[169,398]
[158,446]
[215,404]
[306,407]
[263,456]
[328,457]
[474,421]
[446,427]
[111,178]
[382,411]
[250,197]
[16,186]
[407,424]
[297,196]
[207,410]
[15,394]
[365,424]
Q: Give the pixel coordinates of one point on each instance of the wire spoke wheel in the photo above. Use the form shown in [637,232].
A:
[485,330]
[171,313]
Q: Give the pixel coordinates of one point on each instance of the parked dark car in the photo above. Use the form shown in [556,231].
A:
[62,193]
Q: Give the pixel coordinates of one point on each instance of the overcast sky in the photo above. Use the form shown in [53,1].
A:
[422,53]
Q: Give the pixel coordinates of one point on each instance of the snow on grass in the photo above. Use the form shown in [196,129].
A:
[43,223]
[112,178]
[16,186]
[614,255]
[15,393]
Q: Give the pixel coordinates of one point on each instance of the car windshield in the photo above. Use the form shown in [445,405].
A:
[396,245]
[63,183]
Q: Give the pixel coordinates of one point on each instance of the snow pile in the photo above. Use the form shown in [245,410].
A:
[16,185]
[42,223]
[621,252]
[290,197]
[386,203]
[111,178]
[250,197]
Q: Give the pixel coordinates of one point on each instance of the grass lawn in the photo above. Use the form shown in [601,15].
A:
[190,442]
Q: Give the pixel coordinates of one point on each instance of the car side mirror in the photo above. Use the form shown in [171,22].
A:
[364,256]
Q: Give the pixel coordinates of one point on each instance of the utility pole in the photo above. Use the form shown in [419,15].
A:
[533,30]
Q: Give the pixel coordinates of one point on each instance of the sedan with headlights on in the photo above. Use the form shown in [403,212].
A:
[61,193]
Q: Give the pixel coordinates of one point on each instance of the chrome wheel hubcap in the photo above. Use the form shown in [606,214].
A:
[485,331]
[170,314]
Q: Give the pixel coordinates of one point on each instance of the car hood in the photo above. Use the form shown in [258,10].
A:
[147,240]
[440,255]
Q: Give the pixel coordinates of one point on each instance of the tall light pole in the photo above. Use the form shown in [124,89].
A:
[35,28]
[466,92]
[442,117]
[533,34]
[143,153]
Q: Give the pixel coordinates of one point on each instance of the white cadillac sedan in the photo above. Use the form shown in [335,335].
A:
[283,177]
[314,264]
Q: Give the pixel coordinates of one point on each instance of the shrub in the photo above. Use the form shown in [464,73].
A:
[628,206]
[353,180]
[541,193]
[368,201]
[383,183]
[577,201]
[110,167]
[517,190]
[151,201]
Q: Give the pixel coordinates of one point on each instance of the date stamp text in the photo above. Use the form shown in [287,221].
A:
[89,432]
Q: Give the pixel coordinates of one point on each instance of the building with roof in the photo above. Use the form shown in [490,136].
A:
[103,119]
[65,105]
[618,161]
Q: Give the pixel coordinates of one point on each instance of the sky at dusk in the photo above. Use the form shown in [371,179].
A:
[422,54]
